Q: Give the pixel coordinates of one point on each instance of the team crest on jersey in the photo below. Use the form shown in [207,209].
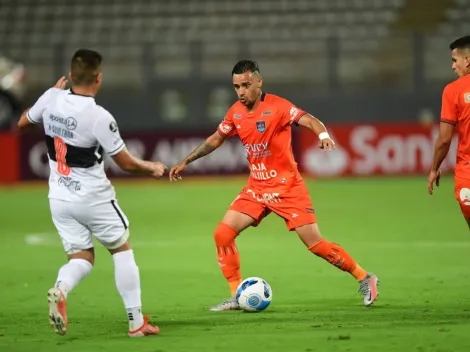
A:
[467,98]
[261,126]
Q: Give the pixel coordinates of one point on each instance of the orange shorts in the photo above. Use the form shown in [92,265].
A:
[462,194]
[294,206]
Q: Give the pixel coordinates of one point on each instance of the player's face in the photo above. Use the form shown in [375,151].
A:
[248,87]
[460,62]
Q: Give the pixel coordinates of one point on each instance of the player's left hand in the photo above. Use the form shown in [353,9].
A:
[326,144]
[61,83]
[434,176]
[175,172]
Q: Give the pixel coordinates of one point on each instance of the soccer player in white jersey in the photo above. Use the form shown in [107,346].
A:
[82,200]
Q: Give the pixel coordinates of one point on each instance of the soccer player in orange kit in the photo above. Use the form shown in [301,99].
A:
[455,112]
[263,123]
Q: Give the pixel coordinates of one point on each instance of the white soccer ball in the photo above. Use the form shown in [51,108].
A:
[254,294]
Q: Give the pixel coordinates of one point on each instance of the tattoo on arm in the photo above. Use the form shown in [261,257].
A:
[202,150]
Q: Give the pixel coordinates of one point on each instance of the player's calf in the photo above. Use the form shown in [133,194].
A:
[227,255]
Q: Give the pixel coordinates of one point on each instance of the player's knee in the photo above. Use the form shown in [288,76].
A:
[86,254]
[224,235]
[120,244]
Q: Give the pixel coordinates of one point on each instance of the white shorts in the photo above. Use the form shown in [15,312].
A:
[77,222]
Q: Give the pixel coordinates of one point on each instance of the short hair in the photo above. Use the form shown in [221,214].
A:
[245,66]
[461,43]
[85,66]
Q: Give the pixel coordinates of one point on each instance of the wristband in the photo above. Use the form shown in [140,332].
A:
[323,135]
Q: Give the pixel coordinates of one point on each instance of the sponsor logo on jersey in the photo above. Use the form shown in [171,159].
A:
[269,197]
[257,150]
[260,172]
[293,111]
[269,112]
[467,98]
[69,122]
[70,183]
[237,116]
[225,128]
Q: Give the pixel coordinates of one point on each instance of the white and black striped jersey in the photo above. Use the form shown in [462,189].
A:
[78,132]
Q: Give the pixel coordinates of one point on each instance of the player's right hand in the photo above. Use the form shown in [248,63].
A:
[175,172]
[159,169]
[434,176]
[61,83]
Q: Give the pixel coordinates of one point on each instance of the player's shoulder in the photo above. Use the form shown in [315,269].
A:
[101,113]
[235,111]
[460,84]
[52,93]
[274,99]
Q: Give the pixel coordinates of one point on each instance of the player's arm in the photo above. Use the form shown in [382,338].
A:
[442,145]
[33,115]
[441,148]
[107,134]
[316,126]
[208,146]
[449,114]
[127,162]
[24,122]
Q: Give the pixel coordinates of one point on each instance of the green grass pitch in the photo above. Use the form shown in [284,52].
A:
[418,245]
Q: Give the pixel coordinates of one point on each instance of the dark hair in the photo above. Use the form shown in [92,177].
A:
[460,43]
[245,66]
[85,66]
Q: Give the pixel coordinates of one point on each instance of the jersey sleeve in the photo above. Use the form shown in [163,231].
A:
[227,128]
[449,110]
[34,114]
[290,113]
[107,133]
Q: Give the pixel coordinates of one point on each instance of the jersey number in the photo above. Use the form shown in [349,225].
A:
[60,153]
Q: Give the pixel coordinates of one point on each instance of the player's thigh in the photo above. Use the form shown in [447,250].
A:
[75,236]
[462,195]
[294,206]
[246,210]
[109,224]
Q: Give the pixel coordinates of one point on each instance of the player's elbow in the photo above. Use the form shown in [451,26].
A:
[215,140]
[445,141]
[126,161]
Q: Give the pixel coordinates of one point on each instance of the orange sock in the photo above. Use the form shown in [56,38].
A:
[227,255]
[336,255]
[233,286]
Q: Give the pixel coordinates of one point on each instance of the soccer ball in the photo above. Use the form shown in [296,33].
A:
[254,294]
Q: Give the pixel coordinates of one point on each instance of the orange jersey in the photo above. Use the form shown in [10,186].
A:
[456,111]
[266,136]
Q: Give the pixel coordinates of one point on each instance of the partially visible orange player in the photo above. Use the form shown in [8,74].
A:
[456,113]
[263,124]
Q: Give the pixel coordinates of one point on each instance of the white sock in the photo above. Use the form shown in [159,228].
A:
[128,284]
[71,274]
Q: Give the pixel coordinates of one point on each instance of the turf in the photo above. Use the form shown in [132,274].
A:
[417,244]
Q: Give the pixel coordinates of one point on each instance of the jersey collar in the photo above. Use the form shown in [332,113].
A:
[81,95]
